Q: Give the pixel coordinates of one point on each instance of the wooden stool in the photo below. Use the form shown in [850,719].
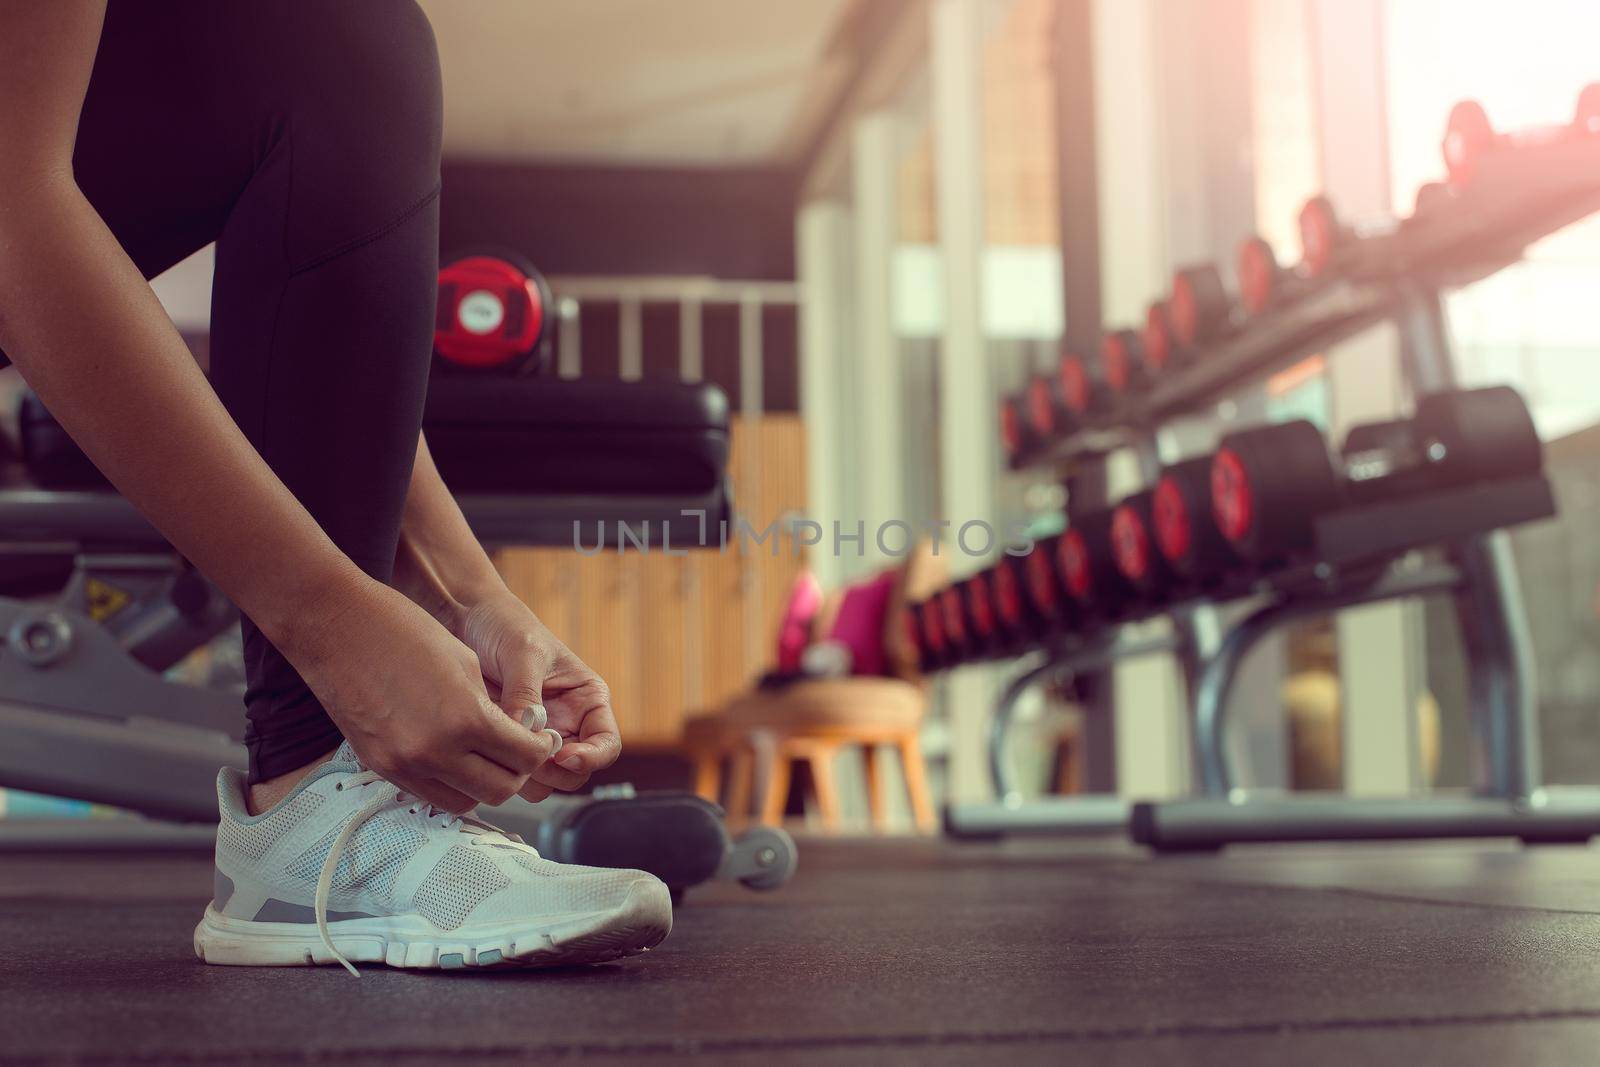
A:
[812,721]
[709,741]
[1069,756]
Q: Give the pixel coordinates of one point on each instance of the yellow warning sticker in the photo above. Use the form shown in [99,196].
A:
[104,599]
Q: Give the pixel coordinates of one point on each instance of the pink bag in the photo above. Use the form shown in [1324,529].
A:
[860,623]
[794,632]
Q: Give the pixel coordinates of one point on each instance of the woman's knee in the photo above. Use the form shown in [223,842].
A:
[367,124]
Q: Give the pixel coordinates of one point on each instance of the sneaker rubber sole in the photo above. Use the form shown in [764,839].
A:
[641,922]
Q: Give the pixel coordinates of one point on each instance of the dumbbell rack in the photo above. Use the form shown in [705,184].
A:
[1517,198]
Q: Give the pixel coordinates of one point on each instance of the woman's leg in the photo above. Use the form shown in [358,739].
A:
[304,140]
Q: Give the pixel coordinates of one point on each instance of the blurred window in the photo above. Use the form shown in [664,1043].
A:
[1533,325]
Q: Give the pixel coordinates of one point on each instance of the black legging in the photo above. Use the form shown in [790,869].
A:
[303,138]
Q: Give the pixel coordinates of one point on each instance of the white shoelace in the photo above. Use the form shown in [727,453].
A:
[380,802]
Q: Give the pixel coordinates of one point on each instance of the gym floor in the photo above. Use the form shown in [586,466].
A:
[914,952]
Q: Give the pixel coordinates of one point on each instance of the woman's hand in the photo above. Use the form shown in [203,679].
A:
[410,698]
[531,668]
[440,565]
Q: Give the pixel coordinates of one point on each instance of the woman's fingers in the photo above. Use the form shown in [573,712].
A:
[535,791]
[483,779]
[521,687]
[594,752]
[557,777]
[510,744]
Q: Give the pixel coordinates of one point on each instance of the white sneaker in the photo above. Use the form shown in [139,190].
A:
[347,867]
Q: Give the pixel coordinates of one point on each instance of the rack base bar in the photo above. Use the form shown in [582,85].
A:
[1210,823]
[1066,815]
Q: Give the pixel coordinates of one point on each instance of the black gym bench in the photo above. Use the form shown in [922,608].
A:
[85,709]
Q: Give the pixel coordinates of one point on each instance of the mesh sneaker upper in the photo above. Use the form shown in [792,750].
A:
[399,861]
[252,839]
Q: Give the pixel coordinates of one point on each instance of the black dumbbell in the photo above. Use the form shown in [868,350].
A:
[1267,484]
[1014,436]
[1045,409]
[1455,438]
[1199,305]
[1134,549]
[916,640]
[1047,592]
[911,627]
[1328,243]
[1082,390]
[1185,532]
[1469,137]
[1088,566]
[912,619]
[931,641]
[957,627]
[1030,420]
[1262,282]
[1271,483]
[1022,618]
[1125,362]
[987,634]
[1162,352]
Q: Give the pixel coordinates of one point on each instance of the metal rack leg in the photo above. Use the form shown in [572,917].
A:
[1005,713]
[1010,813]
[1218,674]
[1504,700]
[1493,621]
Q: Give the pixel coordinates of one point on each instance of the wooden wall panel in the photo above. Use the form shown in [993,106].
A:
[726,649]
[675,635]
[663,607]
[780,492]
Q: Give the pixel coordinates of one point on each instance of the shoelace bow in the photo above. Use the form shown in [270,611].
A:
[382,801]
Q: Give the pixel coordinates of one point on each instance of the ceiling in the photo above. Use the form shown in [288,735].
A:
[638,82]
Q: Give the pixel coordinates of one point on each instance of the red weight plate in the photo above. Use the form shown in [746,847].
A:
[980,605]
[494,314]
[1041,407]
[1007,596]
[1075,383]
[1157,336]
[1467,135]
[1257,270]
[1586,120]
[1114,357]
[1130,543]
[1185,310]
[1232,501]
[1010,428]
[1073,557]
[1316,235]
[955,624]
[1171,517]
[933,625]
[1041,582]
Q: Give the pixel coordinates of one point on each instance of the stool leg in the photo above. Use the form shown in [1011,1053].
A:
[708,774]
[917,783]
[826,785]
[741,775]
[877,788]
[1067,779]
[775,789]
